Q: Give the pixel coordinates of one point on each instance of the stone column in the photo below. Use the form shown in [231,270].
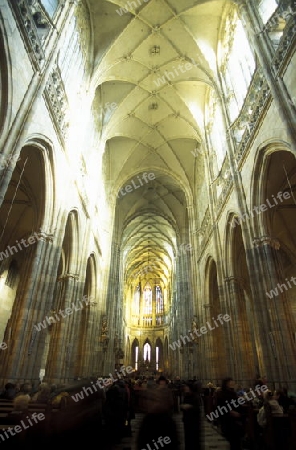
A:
[242,339]
[276,326]
[185,306]
[92,338]
[30,299]
[62,344]
[103,340]
[113,304]
[85,324]
[222,303]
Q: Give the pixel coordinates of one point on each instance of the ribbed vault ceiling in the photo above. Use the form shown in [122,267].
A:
[151,125]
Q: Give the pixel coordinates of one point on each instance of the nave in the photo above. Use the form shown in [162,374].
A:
[212,438]
[147,194]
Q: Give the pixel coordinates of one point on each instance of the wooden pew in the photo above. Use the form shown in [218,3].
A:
[42,428]
[292,418]
[277,433]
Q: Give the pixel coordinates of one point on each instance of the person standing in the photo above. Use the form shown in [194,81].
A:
[191,408]
[115,412]
[232,417]
[158,420]
[177,392]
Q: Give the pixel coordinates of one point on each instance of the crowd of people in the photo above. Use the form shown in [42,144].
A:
[233,407]
[86,409]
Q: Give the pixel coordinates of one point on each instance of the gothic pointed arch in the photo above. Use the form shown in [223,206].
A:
[276,197]
[214,340]
[86,321]
[61,356]
[135,354]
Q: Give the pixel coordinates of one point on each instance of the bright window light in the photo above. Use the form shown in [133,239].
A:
[266,9]
[136,357]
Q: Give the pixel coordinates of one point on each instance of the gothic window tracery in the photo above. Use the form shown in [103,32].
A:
[136,357]
[147,352]
[148,305]
[159,301]
[50,6]
[136,304]
[237,64]
[147,300]
[266,8]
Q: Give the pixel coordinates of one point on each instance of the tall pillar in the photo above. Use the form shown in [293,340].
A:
[242,338]
[222,303]
[62,344]
[277,328]
[114,305]
[24,339]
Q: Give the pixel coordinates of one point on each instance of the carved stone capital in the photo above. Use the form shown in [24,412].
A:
[240,3]
[66,276]
[266,240]
[44,236]
[230,279]
[34,25]
[57,99]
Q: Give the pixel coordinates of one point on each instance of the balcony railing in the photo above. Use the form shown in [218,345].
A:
[57,101]
[251,112]
[286,43]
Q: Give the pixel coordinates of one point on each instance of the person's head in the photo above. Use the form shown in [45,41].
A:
[267,395]
[26,388]
[43,387]
[21,403]
[228,384]
[277,393]
[190,388]
[162,381]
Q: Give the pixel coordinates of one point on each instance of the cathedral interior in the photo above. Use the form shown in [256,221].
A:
[148,189]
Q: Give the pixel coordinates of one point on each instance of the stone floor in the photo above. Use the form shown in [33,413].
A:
[212,438]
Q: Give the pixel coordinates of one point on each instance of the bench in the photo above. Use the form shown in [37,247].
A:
[277,433]
[40,426]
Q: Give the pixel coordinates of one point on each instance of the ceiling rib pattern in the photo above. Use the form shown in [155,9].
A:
[156,64]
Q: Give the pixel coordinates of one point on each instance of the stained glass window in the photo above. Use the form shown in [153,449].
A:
[147,300]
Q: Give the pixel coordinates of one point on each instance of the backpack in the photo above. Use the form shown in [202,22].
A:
[261,417]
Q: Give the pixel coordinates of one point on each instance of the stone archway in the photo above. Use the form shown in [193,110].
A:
[214,343]
[60,362]
[243,341]
[21,218]
[276,248]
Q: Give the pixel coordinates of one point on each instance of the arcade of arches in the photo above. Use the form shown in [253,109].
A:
[148,189]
